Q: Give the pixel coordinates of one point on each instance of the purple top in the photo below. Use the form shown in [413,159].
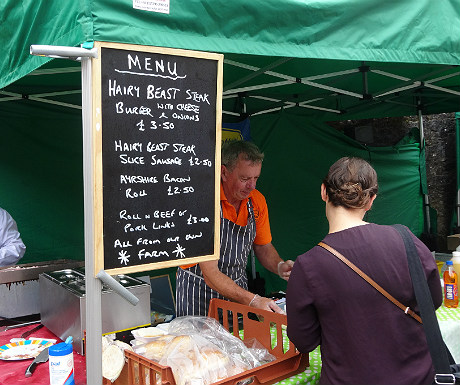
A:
[364,338]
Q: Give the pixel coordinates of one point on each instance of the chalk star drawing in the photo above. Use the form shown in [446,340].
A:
[123,257]
[179,251]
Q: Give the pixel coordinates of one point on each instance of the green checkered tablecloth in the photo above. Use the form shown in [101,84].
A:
[308,377]
[448,314]
[449,323]
[311,375]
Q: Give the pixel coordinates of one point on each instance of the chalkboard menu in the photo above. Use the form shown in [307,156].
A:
[158,133]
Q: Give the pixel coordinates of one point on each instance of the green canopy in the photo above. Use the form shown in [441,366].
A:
[335,59]
[288,65]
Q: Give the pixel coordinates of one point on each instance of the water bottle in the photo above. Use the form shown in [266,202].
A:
[61,363]
[450,286]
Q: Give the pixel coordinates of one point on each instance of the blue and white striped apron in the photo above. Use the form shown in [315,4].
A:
[192,293]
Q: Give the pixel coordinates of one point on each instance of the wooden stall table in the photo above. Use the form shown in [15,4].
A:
[13,372]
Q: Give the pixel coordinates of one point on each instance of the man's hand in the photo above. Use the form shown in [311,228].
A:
[284,269]
[265,304]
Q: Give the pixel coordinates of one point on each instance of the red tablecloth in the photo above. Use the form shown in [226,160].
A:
[13,372]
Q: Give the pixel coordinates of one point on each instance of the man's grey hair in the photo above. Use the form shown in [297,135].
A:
[231,150]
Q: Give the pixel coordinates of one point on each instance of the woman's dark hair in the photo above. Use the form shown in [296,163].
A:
[351,183]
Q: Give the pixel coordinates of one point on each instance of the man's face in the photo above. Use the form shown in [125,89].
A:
[239,183]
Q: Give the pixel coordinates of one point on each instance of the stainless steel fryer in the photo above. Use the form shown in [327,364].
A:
[63,305]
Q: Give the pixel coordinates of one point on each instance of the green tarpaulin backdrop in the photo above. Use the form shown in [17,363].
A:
[298,156]
[41,168]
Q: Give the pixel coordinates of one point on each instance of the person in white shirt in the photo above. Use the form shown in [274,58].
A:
[12,248]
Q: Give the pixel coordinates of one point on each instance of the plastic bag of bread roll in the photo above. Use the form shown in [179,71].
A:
[147,334]
[155,349]
[209,328]
[258,351]
[123,345]
[200,351]
[195,360]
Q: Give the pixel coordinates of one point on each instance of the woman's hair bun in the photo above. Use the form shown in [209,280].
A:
[351,182]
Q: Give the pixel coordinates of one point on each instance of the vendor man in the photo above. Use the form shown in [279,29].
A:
[244,225]
[12,248]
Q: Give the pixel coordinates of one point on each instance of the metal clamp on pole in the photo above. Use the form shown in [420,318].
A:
[117,287]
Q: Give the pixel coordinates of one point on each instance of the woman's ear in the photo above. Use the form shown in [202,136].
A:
[323,192]
[371,201]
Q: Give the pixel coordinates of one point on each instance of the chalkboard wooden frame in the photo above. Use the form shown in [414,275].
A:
[100,159]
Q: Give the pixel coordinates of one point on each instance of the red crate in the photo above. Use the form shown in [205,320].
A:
[255,323]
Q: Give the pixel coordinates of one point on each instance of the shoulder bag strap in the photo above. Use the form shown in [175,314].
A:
[369,280]
[436,344]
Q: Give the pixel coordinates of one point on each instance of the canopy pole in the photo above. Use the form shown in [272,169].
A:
[364,70]
[93,285]
[422,144]
[457,136]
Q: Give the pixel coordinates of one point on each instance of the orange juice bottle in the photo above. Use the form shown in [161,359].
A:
[450,286]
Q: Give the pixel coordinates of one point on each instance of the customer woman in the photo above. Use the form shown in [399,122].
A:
[365,339]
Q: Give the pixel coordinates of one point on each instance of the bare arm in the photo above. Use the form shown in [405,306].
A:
[270,259]
[223,284]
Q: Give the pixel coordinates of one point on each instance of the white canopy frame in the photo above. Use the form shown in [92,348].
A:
[238,90]
[407,84]
[44,97]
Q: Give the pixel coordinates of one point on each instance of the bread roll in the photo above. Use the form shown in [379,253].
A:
[105,342]
[194,360]
[148,332]
[156,349]
[113,360]
[123,345]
